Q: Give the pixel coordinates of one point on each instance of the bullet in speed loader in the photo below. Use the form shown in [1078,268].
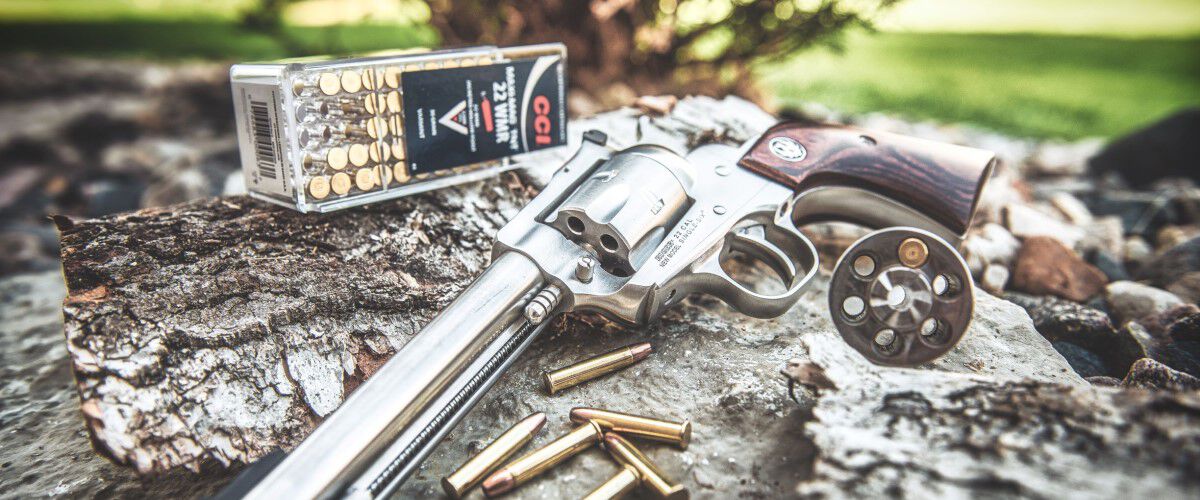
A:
[542,459]
[598,366]
[679,433]
[616,486]
[626,453]
[473,471]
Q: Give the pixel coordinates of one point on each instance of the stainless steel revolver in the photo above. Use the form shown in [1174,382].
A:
[628,234]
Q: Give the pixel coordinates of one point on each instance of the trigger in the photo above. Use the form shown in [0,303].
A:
[752,240]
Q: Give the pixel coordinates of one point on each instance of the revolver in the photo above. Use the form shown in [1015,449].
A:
[628,234]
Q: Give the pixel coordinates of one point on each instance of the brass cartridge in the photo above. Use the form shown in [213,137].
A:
[473,471]
[617,486]
[913,252]
[542,459]
[652,478]
[318,187]
[678,433]
[598,366]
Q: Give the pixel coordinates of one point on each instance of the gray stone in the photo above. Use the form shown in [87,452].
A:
[1137,251]
[1108,264]
[1065,321]
[1187,287]
[883,432]
[1072,208]
[995,276]
[1105,234]
[1129,300]
[1024,222]
[1178,261]
[1150,374]
[987,244]
[1063,159]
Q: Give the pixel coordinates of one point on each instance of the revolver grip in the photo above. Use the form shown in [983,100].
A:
[942,181]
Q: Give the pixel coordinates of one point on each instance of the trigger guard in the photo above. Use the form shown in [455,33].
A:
[743,240]
[715,281]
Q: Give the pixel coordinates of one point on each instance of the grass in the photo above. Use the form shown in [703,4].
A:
[1026,84]
[210,38]
[1037,85]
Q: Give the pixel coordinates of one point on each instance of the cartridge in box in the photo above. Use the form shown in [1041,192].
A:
[323,135]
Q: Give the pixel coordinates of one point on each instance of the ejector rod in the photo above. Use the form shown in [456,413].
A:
[354,436]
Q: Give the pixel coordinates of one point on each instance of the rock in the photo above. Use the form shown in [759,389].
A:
[155,156]
[1142,213]
[1167,148]
[987,244]
[1004,189]
[1102,381]
[186,185]
[1176,262]
[1171,236]
[1181,356]
[1128,300]
[113,195]
[1062,159]
[1187,327]
[17,183]
[657,105]
[1108,264]
[1026,222]
[1159,324]
[26,249]
[1147,373]
[1044,266]
[1137,252]
[1064,321]
[1070,207]
[883,432]
[1086,363]
[1187,287]
[995,276]
[1103,234]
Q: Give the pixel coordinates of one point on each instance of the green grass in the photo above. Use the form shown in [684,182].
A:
[205,38]
[1027,84]
[1036,85]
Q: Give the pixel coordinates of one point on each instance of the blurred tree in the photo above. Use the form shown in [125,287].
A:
[656,46]
[266,16]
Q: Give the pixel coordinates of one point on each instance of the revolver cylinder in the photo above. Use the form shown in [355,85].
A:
[625,209]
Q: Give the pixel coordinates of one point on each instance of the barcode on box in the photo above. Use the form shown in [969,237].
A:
[264,140]
[264,165]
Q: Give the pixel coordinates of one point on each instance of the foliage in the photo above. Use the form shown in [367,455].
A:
[655,45]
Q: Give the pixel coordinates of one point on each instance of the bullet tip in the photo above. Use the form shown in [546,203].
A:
[581,415]
[534,422]
[498,483]
[640,351]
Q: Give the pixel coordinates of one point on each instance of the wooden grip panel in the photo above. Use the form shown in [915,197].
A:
[943,181]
